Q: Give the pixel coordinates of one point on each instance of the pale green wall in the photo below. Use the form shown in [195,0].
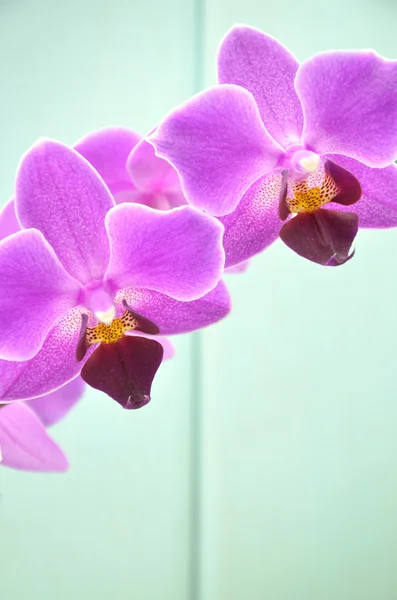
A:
[294,451]
[118,525]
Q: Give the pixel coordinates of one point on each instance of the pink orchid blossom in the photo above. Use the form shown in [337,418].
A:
[83,273]
[301,151]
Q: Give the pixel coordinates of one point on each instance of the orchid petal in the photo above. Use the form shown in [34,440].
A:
[172,316]
[261,65]
[35,290]
[158,200]
[24,442]
[255,224]
[53,367]
[168,347]
[59,193]
[219,146]
[377,206]
[53,407]
[240,268]
[107,151]
[178,253]
[8,220]
[125,369]
[150,172]
[349,101]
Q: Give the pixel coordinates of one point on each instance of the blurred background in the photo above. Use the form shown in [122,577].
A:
[265,467]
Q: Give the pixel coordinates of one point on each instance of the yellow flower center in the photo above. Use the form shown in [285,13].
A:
[308,199]
[107,334]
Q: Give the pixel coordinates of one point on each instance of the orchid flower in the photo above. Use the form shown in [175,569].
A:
[304,152]
[24,442]
[83,275]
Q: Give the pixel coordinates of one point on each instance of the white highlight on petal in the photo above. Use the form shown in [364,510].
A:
[106,316]
[303,162]
[310,163]
[100,302]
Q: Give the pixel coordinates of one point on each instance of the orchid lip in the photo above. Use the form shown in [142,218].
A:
[125,370]
[323,236]
[116,365]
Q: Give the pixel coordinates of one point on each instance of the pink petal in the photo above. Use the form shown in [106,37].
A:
[349,102]
[150,172]
[24,442]
[168,347]
[255,224]
[377,206]
[53,407]
[178,253]
[54,366]
[219,146]
[107,151]
[240,268]
[158,200]
[59,193]
[261,65]
[8,220]
[35,290]
[172,316]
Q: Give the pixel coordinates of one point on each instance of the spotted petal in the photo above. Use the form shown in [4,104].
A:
[34,291]
[52,407]
[172,316]
[24,442]
[219,146]
[349,102]
[54,366]
[59,193]
[107,151]
[255,224]
[178,253]
[261,65]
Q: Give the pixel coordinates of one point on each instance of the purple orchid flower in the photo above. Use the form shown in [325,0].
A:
[24,442]
[83,275]
[53,406]
[303,152]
